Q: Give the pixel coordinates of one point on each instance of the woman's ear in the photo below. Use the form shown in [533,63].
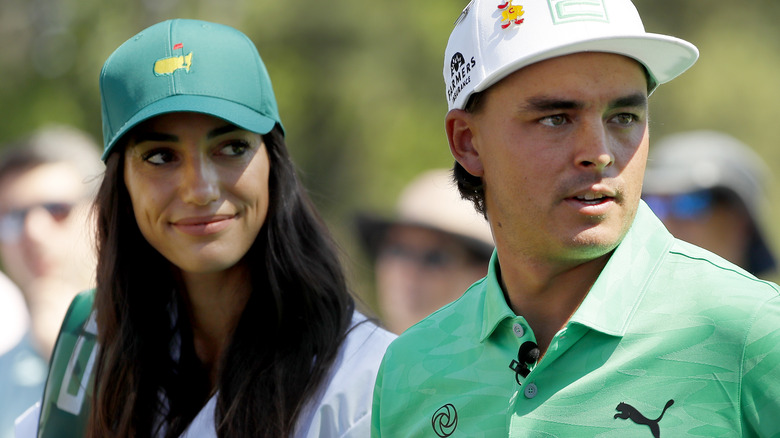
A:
[460,134]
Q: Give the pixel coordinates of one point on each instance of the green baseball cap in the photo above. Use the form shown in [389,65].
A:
[186,65]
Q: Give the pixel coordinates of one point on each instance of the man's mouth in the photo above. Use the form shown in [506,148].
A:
[592,198]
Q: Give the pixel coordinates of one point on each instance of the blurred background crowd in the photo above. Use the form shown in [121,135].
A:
[360,90]
[360,83]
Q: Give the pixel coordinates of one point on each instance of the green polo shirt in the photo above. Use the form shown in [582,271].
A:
[670,339]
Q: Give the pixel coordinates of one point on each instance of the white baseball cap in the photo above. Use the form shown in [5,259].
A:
[493,38]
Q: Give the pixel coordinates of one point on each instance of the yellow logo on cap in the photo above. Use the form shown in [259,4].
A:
[167,66]
[510,14]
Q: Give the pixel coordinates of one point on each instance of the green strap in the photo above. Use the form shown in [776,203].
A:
[68,393]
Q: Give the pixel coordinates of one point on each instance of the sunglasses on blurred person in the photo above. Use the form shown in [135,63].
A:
[432,258]
[688,206]
[12,221]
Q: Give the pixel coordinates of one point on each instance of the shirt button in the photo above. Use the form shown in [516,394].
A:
[530,390]
[518,329]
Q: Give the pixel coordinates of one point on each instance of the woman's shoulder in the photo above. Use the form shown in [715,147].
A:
[365,339]
[343,406]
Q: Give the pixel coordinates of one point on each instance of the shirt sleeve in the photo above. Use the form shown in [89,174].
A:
[26,426]
[760,395]
[360,429]
[343,409]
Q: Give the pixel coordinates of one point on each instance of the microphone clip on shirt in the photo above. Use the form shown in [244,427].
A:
[528,353]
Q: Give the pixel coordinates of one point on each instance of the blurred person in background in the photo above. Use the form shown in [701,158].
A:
[47,181]
[434,248]
[709,189]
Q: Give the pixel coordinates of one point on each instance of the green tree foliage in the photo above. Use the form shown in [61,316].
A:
[360,83]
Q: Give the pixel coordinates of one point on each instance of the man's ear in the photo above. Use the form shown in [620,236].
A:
[460,134]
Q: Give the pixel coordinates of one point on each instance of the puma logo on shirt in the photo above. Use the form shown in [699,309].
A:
[627,411]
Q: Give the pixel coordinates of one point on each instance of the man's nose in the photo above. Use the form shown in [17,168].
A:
[594,150]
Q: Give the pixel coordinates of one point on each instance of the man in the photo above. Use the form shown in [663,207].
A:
[592,320]
[47,181]
[709,189]
[434,248]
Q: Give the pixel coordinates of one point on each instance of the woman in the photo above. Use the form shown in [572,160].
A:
[221,308]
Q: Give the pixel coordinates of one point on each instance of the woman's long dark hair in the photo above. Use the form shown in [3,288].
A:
[281,350]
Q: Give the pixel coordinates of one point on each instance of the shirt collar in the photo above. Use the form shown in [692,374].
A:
[612,300]
[496,307]
[617,292]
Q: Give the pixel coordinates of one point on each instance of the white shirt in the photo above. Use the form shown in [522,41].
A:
[340,409]
[14,318]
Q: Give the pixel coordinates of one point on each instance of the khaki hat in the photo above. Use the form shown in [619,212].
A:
[431,201]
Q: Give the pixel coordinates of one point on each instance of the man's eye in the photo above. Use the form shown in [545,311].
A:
[158,157]
[556,120]
[625,119]
[235,148]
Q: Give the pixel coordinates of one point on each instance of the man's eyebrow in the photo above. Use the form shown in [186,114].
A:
[546,103]
[633,100]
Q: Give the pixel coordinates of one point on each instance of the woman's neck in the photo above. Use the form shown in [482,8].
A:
[215,302]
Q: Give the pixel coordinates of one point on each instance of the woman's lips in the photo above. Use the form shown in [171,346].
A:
[203,226]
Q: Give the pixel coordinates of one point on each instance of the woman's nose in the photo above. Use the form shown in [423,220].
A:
[200,185]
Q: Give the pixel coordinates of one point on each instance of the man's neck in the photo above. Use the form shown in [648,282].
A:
[548,296]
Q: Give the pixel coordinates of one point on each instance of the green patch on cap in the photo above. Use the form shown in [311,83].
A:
[569,11]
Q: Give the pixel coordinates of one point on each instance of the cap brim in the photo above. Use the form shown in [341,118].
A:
[371,229]
[237,114]
[665,57]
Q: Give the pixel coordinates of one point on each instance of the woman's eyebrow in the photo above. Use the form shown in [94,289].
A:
[145,136]
[222,130]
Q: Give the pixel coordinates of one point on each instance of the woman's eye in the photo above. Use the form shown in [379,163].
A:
[234,148]
[556,120]
[158,156]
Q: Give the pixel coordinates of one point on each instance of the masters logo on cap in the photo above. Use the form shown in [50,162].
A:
[167,66]
[495,38]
